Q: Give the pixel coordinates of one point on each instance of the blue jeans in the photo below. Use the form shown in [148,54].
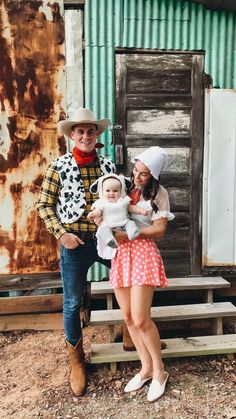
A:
[74,264]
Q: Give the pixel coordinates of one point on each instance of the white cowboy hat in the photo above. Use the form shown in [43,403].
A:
[155,158]
[82,116]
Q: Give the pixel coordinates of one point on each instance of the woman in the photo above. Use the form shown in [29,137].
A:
[138,268]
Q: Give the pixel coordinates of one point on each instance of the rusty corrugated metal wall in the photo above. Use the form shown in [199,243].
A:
[31,102]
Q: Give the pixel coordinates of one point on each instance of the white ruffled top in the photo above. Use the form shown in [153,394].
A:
[163,204]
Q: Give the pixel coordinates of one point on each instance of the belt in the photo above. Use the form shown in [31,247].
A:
[87,235]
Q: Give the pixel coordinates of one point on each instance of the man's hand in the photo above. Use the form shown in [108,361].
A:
[70,241]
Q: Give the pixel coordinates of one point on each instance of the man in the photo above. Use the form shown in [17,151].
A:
[65,201]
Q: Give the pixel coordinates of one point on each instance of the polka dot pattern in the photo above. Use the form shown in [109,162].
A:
[137,262]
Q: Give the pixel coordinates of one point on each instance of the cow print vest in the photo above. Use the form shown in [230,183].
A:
[72,201]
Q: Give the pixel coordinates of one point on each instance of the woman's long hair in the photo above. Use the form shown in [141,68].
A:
[149,191]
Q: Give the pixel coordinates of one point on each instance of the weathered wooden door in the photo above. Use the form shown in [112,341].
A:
[159,101]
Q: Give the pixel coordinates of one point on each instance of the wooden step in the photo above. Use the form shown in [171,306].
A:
[32,321]
[178,347]
[207,284]
[53,280]
[167,313]
[174,284]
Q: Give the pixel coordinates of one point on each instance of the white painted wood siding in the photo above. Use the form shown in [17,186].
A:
[219,179]
[74,63]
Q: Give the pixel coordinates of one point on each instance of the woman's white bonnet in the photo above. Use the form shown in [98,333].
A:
[155,158]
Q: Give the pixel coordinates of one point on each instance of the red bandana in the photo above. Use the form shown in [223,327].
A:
[135,195]
[84,158]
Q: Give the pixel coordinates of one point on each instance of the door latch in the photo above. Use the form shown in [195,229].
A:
[117,126]
[119,155]
[119,149]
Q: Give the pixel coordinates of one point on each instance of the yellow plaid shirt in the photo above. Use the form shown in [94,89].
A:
[49,193]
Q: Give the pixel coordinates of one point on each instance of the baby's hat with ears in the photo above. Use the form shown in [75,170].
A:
[96,187]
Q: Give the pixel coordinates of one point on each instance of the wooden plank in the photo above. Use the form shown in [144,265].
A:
[180,236]
[187,53]
[169,313]
[174,284]
[179,198]
[163,121]
[51,321]
[177,347]
[196,164]
[160,101]
[151,79]
[148,140]
[159,60]
[30,282]
[176,262]
[18,283]
[31,304]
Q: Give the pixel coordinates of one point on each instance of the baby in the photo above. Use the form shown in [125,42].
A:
[113,205]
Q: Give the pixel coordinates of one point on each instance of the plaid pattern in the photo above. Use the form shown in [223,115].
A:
[49,193]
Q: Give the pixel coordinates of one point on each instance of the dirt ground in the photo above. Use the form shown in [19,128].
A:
[35,374]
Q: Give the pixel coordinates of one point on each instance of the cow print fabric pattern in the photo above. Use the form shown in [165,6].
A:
[72,201]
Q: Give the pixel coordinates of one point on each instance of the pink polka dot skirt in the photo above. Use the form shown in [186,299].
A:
[137,262]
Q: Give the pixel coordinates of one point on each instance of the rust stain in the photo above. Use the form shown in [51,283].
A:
[61,145]
[206,261]
[3,179]
[16,188]
[47,256]
[31,103]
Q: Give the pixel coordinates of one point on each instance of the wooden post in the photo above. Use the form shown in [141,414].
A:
[113,367]
[109,302]
[208,296]
[217,326]
[111,327]
[111,333]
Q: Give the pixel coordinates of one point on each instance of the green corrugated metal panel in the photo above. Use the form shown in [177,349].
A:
[97,272]
[99,88]
[163,24]
[155,24]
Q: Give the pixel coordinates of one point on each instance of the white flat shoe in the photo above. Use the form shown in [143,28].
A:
[156,390]
[135,383]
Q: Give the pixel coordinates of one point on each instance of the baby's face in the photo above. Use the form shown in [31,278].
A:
[111,190]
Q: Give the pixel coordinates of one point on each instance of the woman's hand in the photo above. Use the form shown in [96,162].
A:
[120,235]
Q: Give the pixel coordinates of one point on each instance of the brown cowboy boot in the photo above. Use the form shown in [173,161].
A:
[128,344]
[77,361]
